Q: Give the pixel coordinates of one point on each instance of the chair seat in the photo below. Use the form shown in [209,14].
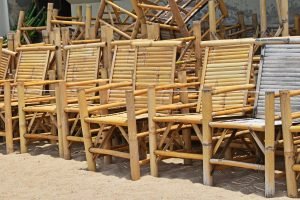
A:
[243,123]
[190,118]
[119,119]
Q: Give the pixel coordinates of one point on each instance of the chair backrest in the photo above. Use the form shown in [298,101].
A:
[279,70]
[82,64]
[143,65]
[227,65]
[32,66]
[122,70]
[4,63]
[155,65]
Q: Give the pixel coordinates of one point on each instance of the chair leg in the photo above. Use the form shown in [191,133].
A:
[87,137]
[269,169]
[269,144]
[134,154]
[291,181]
[22,119]
[186,133]
[64,134]
[8,119]
[132,135]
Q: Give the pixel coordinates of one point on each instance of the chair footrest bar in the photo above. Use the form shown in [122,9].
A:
[110,152]
[237,164]
[42,136]
[174,154]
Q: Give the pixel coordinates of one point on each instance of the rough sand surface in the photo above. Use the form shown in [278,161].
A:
[42,175]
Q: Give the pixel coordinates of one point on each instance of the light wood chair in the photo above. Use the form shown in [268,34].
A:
[123,65]
[262,131]
[32,65]
[154,63]
[226,68]
[81,71]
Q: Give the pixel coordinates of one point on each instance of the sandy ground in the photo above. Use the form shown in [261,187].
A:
[42,175]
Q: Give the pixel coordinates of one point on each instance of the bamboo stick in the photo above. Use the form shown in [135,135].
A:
[80,46]
[86,130]
[212,19]
[263,17]
[237,164]
[132,134]
[285,17]
[207,135]
[289,153]
[22,118]
[37,48]
[269,145]
[152,131]
[174,154]
[49,17]
[8,117]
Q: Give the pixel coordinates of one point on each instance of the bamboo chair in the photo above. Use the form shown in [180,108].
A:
[121,71]
[32,65]
[154,62]
[225,66]
[81,71]
[263,128]
[290,128]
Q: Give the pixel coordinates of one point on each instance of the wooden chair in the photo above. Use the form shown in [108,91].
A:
[32,65]
[290,129]
[81,71]
[226,67]
[154,63]
[262,129]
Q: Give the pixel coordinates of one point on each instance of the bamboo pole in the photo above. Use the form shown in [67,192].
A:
[153,31]
[212,19]
[241,19]
[198,51]
[178,18]
[285,17]
[99,16]
[17,39]
[49,17]
[59,110]
[22,118]
[86,130]
[207,136]
[141,17]
[132,134]
[58,55]
[152,130]
[270,144]
[107,36]
[289,153]
[88,21]
[61,102]
[263,17]
[1,43]
[8,117]
[186,133]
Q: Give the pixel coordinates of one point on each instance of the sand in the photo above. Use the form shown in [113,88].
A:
[42,175]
